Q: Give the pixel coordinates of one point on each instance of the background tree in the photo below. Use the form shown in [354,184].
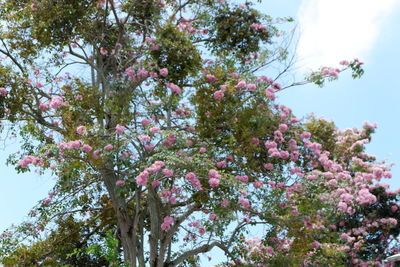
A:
[170,136]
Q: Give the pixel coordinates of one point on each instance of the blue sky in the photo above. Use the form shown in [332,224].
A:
[331,31]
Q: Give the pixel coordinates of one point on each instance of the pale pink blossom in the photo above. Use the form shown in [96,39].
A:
[218,94]
[145,122]
[86,148]
[96,154]
[211,78]
[245,203]
[3,91]
[119,129]
[108,147]
[164,72]
[81,129]
[174,88]
[167,172]
[120,182]
[251,87]
[213,182]
[241,84]
[56,102]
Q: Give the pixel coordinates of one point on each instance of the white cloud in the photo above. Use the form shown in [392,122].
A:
[333,30]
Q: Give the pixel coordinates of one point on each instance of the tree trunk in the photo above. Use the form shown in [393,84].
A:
[124,222]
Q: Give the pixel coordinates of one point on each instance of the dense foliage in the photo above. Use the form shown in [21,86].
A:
[160,124]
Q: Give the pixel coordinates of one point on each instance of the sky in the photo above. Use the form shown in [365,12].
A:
[330,31]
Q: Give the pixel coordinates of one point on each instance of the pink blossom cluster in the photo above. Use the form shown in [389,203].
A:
[143,177]
[195,182]
[56,102]
[27,160]
[171,194]
[196,224]
[3,91]
[76,144]
[258,27]
[214,178]
[174,88]
[166,225]
[332,72]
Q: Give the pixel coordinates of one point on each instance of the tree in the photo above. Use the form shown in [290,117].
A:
[170,136]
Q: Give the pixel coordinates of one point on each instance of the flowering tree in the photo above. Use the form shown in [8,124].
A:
[167,142]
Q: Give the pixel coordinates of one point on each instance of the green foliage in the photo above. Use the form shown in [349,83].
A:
[322,132]
[176,53]
[231,31]
[109,249]
[63,247]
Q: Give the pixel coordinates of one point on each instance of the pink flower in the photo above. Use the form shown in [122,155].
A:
[245,203]
[43,106]
[142,73]
[255,141]
[119,129]
[251,87]
[213,182]
[218,94]
[144,138]
[214,174]
[78,97]
[155,130]
[270,144]
[202,230]
[3,91]
[142,178]
[211,78]
[164,72]
[74,144]
[212,217]
[56,102]
[315,244]
[166,225]
[119,182]
[108,147]
[258,184]
[96,154]
[342,206]
[283,127]
[221,164]
[145,122]
[234,75]
[86,148]
[81,129]
[174,88]
[241,84]
[155,183]
[305,135]
[103,51]
[269,166]
[244,178]
[333,182]
[270,93]
[202,149]
[190,176]
[167,172]
[38,85]
[258,27]
[149,147]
